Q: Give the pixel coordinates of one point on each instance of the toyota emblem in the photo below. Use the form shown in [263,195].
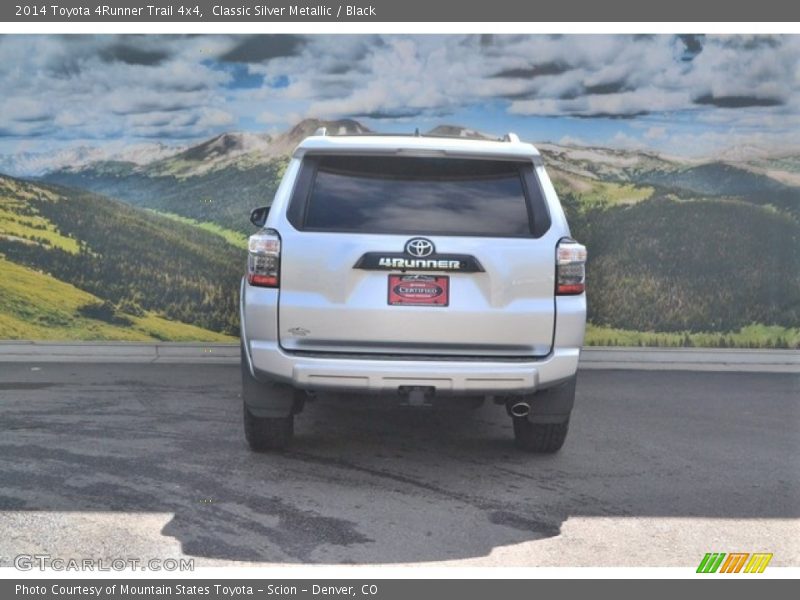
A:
[419,247]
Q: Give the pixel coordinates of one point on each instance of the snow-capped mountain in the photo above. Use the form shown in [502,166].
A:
[35,164]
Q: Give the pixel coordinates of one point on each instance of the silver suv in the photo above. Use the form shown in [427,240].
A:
[417,267]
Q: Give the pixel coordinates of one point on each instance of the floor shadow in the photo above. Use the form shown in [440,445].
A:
[382,484]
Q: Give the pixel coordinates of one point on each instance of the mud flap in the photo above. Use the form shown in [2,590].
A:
[553,405]
[266,398]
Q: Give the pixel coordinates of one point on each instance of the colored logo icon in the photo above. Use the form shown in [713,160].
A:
[734,562]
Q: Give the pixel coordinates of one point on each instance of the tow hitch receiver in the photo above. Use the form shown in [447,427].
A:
[416,395]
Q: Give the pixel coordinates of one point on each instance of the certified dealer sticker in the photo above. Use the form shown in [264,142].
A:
[419,290]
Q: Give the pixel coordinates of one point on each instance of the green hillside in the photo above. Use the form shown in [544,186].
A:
[752,336]
[597,193]
[37,306]
[223,196]
[232,237]
[138,272]
[703,265]
[721,179]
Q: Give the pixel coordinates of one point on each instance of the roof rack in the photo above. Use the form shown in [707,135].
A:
[321,131]
[511,137]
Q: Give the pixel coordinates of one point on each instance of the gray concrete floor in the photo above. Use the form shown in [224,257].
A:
[149,461]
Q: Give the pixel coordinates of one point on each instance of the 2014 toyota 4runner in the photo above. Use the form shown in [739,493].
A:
[419,267]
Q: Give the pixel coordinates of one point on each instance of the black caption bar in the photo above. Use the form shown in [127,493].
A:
[398,11]
[377,589]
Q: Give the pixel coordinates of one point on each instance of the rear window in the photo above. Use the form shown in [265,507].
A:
[413,195]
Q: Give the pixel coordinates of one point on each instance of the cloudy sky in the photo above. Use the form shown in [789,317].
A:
[689,95]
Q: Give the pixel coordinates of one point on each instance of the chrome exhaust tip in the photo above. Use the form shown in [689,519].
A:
[520,409]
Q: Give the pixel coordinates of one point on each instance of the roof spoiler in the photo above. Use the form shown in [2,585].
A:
[510,137]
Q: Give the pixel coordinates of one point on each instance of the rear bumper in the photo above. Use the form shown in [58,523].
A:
[268,360]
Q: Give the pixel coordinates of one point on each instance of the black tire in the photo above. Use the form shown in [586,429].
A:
[267,433]
[542,438]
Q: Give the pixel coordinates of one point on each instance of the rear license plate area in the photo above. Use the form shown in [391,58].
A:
[419,290]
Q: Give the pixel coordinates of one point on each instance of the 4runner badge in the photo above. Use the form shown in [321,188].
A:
[418,254]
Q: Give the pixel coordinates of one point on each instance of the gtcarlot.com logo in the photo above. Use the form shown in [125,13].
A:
[28,562]
[734,562]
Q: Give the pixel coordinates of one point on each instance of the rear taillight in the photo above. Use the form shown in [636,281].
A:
[264,259]
[570,268]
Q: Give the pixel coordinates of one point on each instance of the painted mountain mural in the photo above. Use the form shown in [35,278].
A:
[680,252]
[130,165]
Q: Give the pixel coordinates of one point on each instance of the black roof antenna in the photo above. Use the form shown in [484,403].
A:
[416,132]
